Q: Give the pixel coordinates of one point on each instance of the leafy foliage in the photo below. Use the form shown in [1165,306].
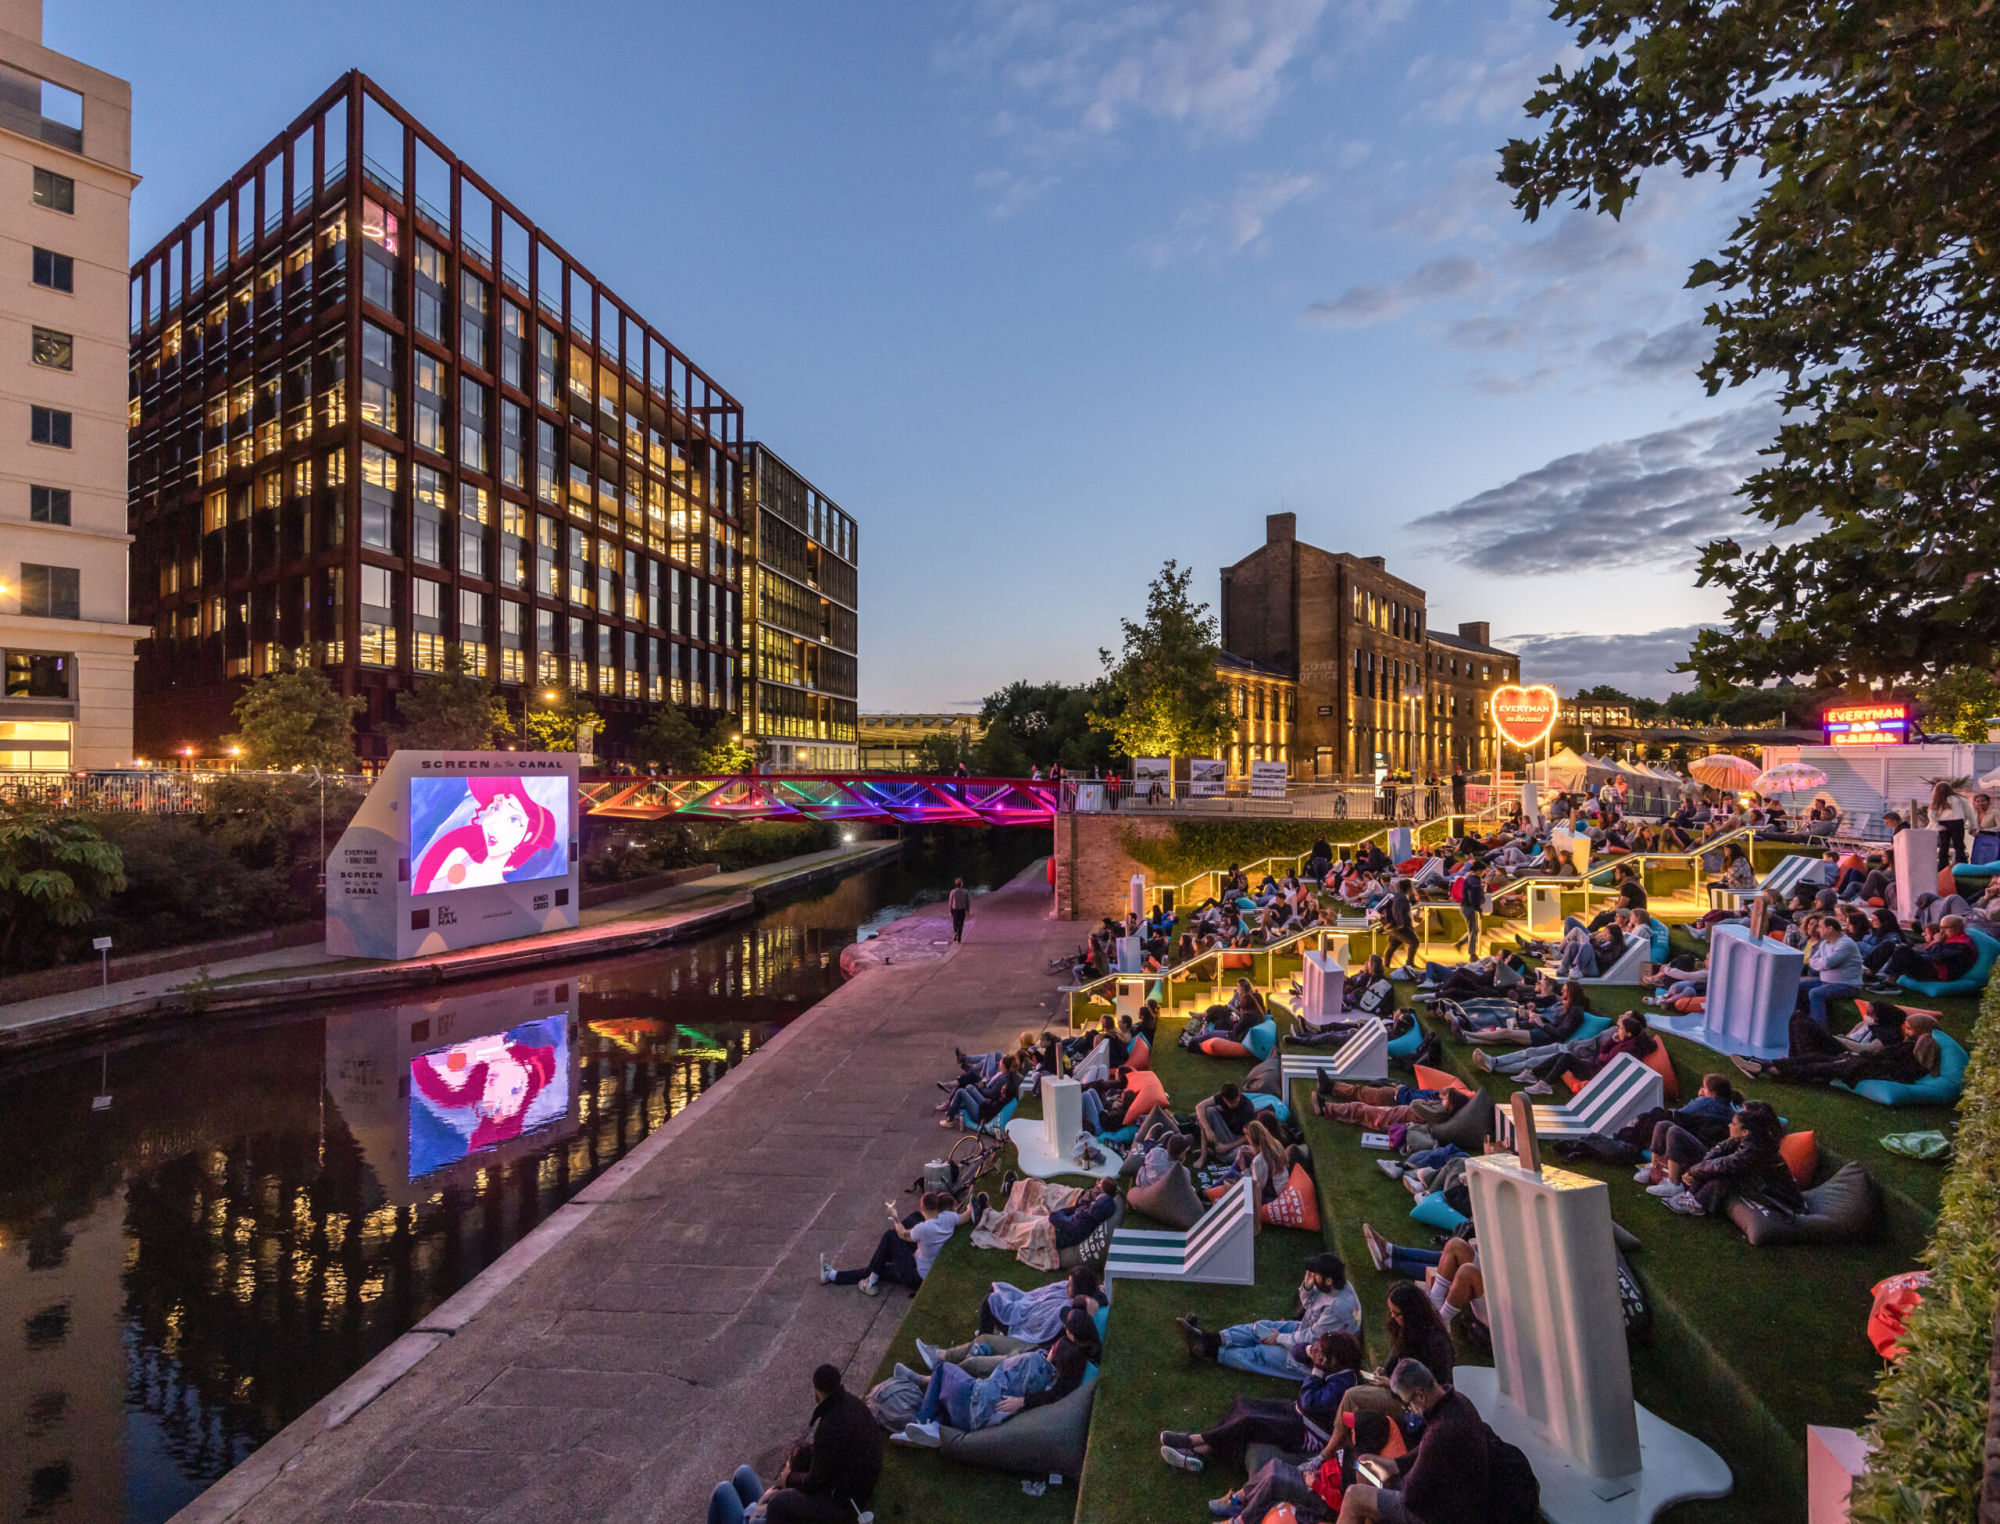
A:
[450,711]
[1162,696]
[668,740]
[723,750]
[1929,1430]
[294,718]
[1045,725]
[1861,279]
[55,870]
[941,753]
[752,843]
[550,723]
[1198,846]
[1960,701]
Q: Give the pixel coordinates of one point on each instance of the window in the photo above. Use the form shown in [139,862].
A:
[55,350]
[473,308]
[429,430]
[378,497]
[427,521]
[513,344]
[48,426]
[56,271]
[471,529]
[546,462]
[472,424]
[37,674]
[50,592]
[546,360]
[429,310]
[378,377]
[378,617]
[48,505]
[54,191]
[513,439]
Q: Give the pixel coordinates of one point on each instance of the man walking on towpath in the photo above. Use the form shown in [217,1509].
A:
[958,903]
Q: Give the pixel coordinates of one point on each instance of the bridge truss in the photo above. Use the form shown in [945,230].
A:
[898,798]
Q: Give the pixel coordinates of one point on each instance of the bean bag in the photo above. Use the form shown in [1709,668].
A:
[1270,1103]
[1469,1127]
[1839,1212]
[1296,1206]
[1146,1091]
[1975,978]
[1093,1249]
[1140,1055]
[1434,1211]
[1268,1078]
[1262,1039]
[1120,1135]
[1940,1089]
[1238,959]
[1888,1319]
[1041,1442]
[1171,1199]
[1662,942]
[1408,1043]
[1659,1063]
[1801,1154]
[1002,1117]
[1223,1047]
[1592,1025]
[1437,1079]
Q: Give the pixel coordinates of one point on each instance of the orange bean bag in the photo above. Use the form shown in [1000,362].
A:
[1687,1005]
[1146,1092]
[1238,960]
[1801,1153]
[1223,1047]
[1660,1064]
[1437,1079]
[1296,1206]
[1895,1299]
[1140,1056]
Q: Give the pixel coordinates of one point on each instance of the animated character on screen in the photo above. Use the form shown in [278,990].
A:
[483,1090]
[507,828]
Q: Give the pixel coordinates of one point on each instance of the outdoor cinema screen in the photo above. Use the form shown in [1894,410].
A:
[472,832]
[476,1095]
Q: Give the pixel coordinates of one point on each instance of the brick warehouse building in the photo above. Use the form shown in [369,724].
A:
[375,410]
[1375,685]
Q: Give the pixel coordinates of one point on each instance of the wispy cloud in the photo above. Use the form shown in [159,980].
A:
[1673,353]
[1640,664]
[1358,306]
[1632,502]
[1230,224]
[1009,192]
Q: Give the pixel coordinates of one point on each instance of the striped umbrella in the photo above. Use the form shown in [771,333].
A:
[1789,778]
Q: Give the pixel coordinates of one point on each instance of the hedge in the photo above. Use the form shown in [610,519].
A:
[1198,846]
[1929,1430]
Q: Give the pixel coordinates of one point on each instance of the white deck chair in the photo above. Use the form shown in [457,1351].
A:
[1622,1090]
[1220,1249]
[1364,1056]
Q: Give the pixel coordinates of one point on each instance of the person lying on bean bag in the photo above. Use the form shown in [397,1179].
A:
[1016,1384]
[1326,1304]
[1749,1161]
[1908,1059]
[1334,1359]
[1380,1107]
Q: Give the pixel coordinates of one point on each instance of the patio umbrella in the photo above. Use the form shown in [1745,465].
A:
[1724,770]
[1789,778]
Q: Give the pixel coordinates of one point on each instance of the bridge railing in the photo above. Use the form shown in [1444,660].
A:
[141,791]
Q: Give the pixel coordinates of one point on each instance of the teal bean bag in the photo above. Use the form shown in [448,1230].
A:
[1591,1025]
[1657,953]
[1270,1103]
[1975,870]
[1434,1211]
[1261,1039]
[1408,1043]
[1006,1115]
[1940,1089]
[1974,980]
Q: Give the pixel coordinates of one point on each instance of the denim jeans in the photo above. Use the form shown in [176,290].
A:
[1819,995]
[1243,1349]
[729,1500]
[1412,1262]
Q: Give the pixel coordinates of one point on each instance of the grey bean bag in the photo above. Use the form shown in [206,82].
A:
[1840,1210]
[1172,1199]
[1268,1077]
[1038,1442]
[1093,1249]
[1470,1126]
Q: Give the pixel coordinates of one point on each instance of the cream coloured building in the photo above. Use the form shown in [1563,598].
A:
[65,210]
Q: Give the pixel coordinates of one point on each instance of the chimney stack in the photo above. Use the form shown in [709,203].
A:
[1280,528]
[1479,632]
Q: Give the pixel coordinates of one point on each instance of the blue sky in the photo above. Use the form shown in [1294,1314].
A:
[1047,291]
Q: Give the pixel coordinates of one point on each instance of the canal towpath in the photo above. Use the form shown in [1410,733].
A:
[289,976]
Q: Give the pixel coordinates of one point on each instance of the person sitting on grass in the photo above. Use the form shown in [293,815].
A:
[1264,1159]
[1334,1361]
[828,1477]
[1747,1161]
[1224,1118]
[1906,1059]
[1416,1331]
[974,1068]
[1326,1304]
[1160,1157]
[1582,1057]
[906,1251]
[1017,1383]
[1448,1477]
[1011,1320]
[973,1106]
[1377,1108]
[1681,1137]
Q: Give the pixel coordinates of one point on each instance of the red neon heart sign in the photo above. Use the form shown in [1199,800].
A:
[1524,716]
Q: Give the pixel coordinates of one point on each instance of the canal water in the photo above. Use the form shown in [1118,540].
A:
[203,1234]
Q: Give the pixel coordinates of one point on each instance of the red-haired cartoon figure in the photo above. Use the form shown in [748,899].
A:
[508,826]
[489,1090]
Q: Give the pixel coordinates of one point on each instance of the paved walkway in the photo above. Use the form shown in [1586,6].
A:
[658,910]
[667,1322]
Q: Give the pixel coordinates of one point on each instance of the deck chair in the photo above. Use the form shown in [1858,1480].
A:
[1221,1249]
[1364,1056]
[1623,1089]
[1626,967]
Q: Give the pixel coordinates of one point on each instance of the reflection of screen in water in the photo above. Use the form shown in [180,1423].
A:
[478,1094]
[469,833]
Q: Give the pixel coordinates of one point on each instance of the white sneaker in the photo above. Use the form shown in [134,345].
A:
[1644,1175]
[928,1353]
[1664,1189]
[872,1286]
[925,1434]
[1538,1087]
[825,1271]
[1180,1460]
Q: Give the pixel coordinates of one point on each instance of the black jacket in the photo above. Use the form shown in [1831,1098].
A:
[846,1451]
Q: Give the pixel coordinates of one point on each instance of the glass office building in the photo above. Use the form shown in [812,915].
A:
[375,412]
[801,626]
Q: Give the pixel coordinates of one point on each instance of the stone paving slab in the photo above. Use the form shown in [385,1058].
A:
[670,1330]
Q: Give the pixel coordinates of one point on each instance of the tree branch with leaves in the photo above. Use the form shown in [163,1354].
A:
[1162,697]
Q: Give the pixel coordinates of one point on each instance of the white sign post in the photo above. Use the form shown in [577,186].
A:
[102,947]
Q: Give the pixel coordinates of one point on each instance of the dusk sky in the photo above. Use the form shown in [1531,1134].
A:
[1045,293]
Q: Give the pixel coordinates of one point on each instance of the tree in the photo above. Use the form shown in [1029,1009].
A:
[940,754]
[550,717]
[724,750]
[1043,725]
[1861,279]
[450,711]
[1162,697]
[55,871]
[669,741]
[293,719]
[1960,702]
